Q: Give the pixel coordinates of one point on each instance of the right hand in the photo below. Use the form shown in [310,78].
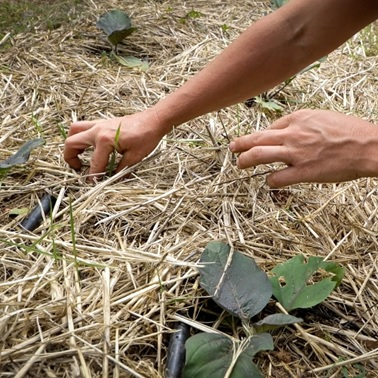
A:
[316,146]
[139,134]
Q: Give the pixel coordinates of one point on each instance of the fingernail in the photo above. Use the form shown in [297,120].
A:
[232,146]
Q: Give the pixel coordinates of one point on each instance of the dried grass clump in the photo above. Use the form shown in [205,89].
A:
[94,291]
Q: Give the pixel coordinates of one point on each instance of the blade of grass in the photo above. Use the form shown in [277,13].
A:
[114,154]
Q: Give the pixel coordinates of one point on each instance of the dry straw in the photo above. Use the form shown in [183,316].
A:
[102,303]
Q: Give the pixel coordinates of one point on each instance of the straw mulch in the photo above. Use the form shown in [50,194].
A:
[95,290]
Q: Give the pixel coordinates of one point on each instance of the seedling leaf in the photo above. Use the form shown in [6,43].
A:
[131,62]
[271,105]
[275,321]
[292,285]
[22,155]
[116,24]
[18,211]
[240,287]
[213,355]
[279,3]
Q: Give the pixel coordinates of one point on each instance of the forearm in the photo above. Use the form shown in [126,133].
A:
[267,53]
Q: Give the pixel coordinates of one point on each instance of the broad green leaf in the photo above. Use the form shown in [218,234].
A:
[275,321]
[22,155]
[212,355]
[131,62]
[337,270]
[292,285]
[257,343]
[116,24]
[241,288]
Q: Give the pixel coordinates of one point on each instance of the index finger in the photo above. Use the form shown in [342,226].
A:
[280,123]
[74,146]
[80,126]
[259,138]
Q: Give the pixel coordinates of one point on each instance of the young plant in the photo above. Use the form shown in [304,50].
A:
[114,154]
[116,24]
[237,284]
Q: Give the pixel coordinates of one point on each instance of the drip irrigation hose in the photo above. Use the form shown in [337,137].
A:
[35,217]
[176,351]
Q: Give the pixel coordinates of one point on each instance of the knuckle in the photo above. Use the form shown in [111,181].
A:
[301,114]
[74,129]
[273,180]
[104,138]
[256,154]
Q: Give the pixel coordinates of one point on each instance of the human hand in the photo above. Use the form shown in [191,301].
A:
[316,145]
[138,135]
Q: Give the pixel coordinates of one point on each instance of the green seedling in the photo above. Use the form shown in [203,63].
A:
[193,14]
[73,236]
[238,285]
[112,162]
[36,124]
[116,24]
[62,131]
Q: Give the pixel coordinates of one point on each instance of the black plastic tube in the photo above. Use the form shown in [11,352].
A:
[35,217]
[176,351]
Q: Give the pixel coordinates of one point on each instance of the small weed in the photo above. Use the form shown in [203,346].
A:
[62,131]
[37,125]
[193,14]
[114,154]
[369,36]
[73,237]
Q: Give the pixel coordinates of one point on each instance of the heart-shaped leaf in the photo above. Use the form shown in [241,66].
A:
[239,285]
[22,155]
[213,355]
[293,281]
[116,24]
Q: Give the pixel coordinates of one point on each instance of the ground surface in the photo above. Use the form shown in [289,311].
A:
[95,290]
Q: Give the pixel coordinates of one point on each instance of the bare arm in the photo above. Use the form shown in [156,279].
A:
[267,53]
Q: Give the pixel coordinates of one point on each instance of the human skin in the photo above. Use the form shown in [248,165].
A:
[316,145]
[267,53]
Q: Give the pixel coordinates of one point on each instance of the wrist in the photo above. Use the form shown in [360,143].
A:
[158,123]
[367,165]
